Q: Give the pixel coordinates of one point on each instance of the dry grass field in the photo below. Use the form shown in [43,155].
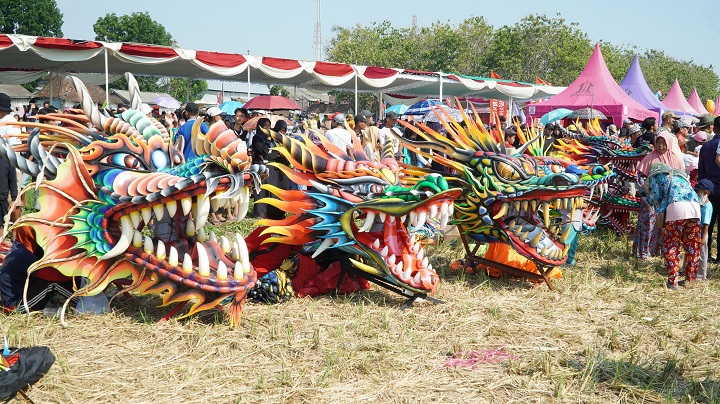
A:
[610,333]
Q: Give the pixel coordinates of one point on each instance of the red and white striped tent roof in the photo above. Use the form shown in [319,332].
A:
[25,58]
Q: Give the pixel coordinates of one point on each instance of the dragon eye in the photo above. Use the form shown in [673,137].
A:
[507,171]
[159,159]
[125,160]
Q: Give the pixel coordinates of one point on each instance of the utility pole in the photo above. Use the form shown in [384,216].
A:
[317,42]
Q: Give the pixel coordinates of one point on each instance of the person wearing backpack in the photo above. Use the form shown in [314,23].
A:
[678,217]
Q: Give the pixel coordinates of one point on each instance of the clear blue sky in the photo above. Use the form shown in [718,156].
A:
[285,28]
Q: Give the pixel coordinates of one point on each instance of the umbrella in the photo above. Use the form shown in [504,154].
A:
[555,115]
[455,114]
[166,101]
[271,103]
[252,122]
[422,107]
[229,107]
[397,108]
[587,113]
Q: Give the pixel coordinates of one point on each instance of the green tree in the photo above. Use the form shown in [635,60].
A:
[31,17]
[177,88]
[539,46]
[141,28]
[279,90]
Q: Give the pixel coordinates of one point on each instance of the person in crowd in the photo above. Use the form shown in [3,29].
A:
[371,145]
[339,136]
[709,168]
[634,134]
[263,153]
[510,140]
[549,138]
[241,116]
[214,115]
[411,157]
[612,130]
[706,125]
[8,175]
[704,188]
[669,191]
[391,119]
[695,141]
[649,129]
[668,120]
[191,114]
[645,242]
[680,129]
[625,129]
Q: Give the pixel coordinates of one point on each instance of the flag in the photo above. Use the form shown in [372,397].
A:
[540,81]
[494,75]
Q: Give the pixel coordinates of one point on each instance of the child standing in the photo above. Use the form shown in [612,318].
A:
[704,188]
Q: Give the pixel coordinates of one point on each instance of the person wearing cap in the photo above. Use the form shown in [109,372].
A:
[612,130]
[625,129]
[692,147]
[709,168]
[191,114]
[668,119]
[391,119]
[510,140]
[214,115]
[549,137]
[338,135]
[680,129]
[704,188]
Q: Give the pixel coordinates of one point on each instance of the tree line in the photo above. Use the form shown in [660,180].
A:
[538,45]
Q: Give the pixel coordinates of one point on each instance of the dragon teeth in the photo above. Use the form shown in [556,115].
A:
[173,257]
[135,218]
[146,213]
[503,210]
[203,260]
[160,250]
[171,207]
[190,228]
[187,265]
[244,203]
[221,272]
[148,245]
[369,220]
[201,235]
[433,211]
[224,244]
[125,238]
[159,211]
[235,251]
[383,216]
[137,240]
[186,204]
[391,260]
[238,271]
[212,236]
[384,251]
[244,256]
[376,244]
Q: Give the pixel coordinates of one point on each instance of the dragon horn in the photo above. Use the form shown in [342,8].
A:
[442,147]
[387,150]
[134,90]
[305,154]
[88,106]
[527,144]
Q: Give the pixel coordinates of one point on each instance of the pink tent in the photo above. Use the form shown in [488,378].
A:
[696,103]
[676,100]
[595,88]
[717,106]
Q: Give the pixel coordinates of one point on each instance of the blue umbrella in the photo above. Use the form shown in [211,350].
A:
[397,108]
[423,107]
[555,115]
[229,107]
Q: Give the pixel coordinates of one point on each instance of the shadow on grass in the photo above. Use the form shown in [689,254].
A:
[665,378]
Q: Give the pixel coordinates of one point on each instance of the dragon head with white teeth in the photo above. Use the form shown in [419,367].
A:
[110,183]
[516,199]
[362,207]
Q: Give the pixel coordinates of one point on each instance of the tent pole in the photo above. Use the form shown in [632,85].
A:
[222,92]
[51,89]
[356,96]
[441,84]
[248,97]
[380,103]
[187,89]
[107,82]
[510,111]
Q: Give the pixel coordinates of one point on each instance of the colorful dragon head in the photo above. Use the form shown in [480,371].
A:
[616,199]
[362,207]
[527,202]
[100,190]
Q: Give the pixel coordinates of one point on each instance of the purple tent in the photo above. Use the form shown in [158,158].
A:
[676,100]
[636,87]
[595,88]
[696,103]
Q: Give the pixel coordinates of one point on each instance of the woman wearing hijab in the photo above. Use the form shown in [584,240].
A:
[646,240]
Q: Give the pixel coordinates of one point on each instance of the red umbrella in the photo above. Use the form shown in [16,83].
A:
[271,103]
[252,122]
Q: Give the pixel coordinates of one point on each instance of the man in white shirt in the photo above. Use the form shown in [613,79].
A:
[7,116]
[384,135]
[338,135]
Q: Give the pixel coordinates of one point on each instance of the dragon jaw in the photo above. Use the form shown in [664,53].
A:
[381,230]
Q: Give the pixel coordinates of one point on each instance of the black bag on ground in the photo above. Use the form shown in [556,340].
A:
[33,363]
